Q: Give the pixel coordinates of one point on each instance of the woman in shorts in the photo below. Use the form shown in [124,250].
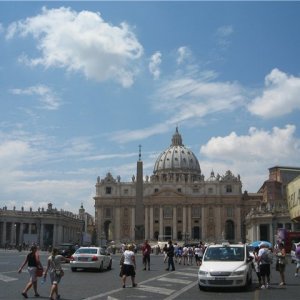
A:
[55,270]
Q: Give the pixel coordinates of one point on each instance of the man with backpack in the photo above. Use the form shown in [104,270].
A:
[264,261]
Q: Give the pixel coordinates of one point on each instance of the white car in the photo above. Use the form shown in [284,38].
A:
[225,265]
[91,258]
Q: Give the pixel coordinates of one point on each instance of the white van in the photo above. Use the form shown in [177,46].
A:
[293,256]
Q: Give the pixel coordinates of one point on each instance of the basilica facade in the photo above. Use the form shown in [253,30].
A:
[176,202]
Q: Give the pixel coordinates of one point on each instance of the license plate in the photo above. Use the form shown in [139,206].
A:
[220,278]
[82,258]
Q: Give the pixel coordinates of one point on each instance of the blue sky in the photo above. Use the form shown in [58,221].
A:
[83,84]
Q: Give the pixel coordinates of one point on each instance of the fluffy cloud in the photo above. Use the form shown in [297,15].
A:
[183,54]
[47,97]
[82,42]
[280,96]
[251,155]
[154,64]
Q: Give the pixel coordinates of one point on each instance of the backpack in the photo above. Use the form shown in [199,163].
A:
[267,257]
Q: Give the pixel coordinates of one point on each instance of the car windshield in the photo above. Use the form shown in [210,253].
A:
[86,251]
[224,254]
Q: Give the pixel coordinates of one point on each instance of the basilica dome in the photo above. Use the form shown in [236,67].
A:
[177,162]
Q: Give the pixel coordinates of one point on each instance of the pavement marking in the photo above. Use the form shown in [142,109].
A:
[146,281]
[155,289]
[176,294]
[7,278]
[187,274]
[174,280]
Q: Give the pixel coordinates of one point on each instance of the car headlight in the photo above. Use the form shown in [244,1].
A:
[203,273]
[238,273]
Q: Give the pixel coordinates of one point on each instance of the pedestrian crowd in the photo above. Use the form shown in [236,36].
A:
[264,257]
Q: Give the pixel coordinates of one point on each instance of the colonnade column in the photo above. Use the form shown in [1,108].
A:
[41,234]
[161,225]
[146,223]
[21,234]
[3,242]
[151,223]
[174,236]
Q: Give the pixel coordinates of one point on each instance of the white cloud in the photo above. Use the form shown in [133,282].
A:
[82,42]
[223,35]
[47,97]
[183,53]
[154,64]
[251,155]
[280,96]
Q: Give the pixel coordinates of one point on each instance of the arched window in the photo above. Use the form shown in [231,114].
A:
[229,230]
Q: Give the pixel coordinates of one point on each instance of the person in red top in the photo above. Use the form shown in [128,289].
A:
[146,251]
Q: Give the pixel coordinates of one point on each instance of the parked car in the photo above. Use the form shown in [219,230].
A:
[293,250]
[66,249]
[225,265]
[91,258]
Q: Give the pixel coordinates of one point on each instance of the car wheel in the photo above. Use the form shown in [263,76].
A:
[109,265]
[74,269]
[101,267]
[202,288]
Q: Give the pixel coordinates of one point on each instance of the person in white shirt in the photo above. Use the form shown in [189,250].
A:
[129,266]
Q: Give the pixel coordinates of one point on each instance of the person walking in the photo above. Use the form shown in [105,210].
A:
[146,250]
[55,271]
[33,263]
[297,255]
[264,265]
[165,252]
[280,263]
[129,266]
[170,254]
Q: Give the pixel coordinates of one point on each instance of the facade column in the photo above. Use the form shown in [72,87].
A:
[151,223]
[238,236]
[99,222]
[116,236]
[257,238]
[184,221]
[146,223]
[161,225]
[189,220]
[132,231]
[174,236]
[29,228]
[203,235]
